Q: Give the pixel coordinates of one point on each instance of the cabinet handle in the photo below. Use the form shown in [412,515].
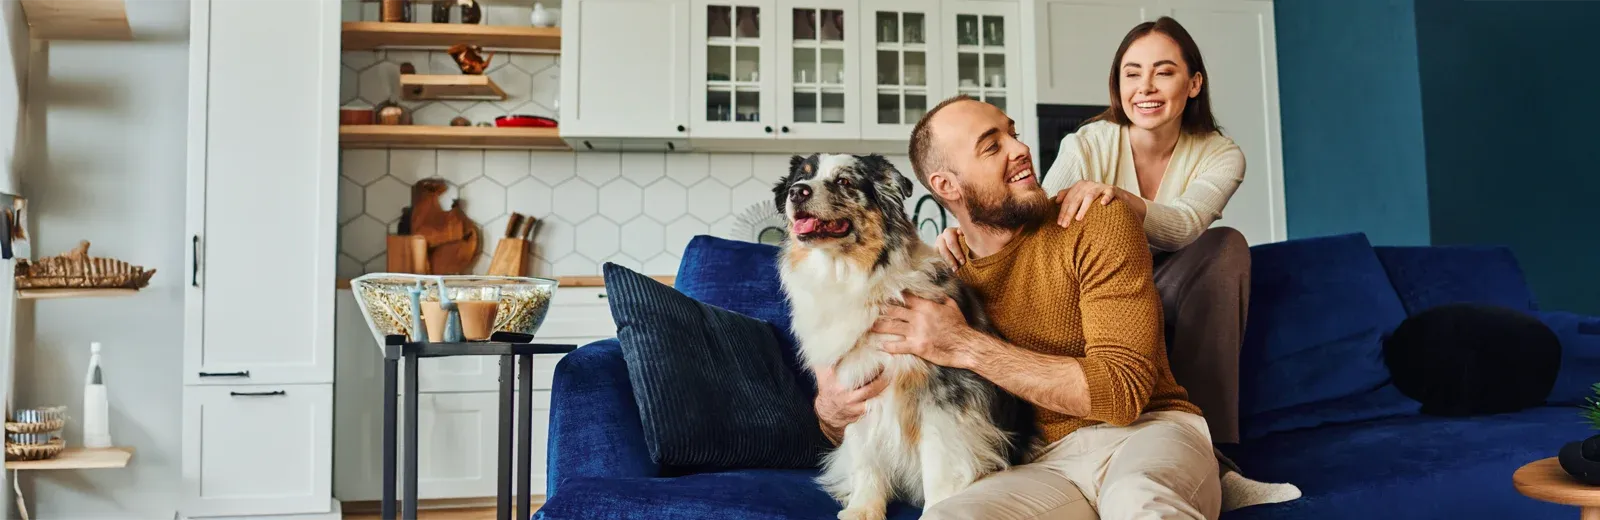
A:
[601,296]
[769,129]
[194,251]
[681,128]
[243,373]
[785,129]
[258,394]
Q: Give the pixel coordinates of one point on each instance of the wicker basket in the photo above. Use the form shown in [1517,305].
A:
[75,269]
[35,427]
[35,451]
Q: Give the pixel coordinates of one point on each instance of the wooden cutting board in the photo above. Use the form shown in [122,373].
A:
[452,237]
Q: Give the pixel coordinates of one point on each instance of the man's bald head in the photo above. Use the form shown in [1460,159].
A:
[925,157]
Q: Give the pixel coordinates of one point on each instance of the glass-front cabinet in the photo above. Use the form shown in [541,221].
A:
[981,57]
[817,70]
[903,67]
[731,69]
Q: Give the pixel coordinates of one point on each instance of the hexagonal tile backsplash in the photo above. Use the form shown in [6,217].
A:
[634,209]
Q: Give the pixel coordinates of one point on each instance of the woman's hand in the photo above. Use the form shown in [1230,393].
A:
[1075,200]
[949,245]
[838,406]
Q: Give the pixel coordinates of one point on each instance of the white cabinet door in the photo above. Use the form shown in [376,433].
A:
[257,449]
[458,444]
[1236,39]
[731,69]
[981,42]
[1077,40]
[818,53]
[902,71]
[262,191]
[624,68]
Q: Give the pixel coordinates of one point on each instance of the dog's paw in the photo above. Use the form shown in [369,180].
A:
[862,513]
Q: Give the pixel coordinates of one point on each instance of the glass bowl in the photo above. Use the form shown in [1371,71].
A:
[386,304]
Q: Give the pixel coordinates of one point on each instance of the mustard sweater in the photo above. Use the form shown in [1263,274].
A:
[1201,176]
[1085,291]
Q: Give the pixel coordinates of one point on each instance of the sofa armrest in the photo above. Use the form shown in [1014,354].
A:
[1580,356]
[594,422]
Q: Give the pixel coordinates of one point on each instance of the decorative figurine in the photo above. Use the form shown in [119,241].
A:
[460,121]
[542,17]
[452,317]
[419,329]
[469,58]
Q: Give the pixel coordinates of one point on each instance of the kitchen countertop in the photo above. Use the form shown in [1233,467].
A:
[568,281]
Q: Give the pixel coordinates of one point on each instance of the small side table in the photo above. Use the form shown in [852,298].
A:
[1545,480]
[510,348]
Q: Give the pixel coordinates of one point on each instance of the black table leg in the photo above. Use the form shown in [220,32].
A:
[525,439]
[391,389]
[410,506]
[507,378]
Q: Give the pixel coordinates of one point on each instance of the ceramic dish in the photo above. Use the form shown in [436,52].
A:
[520,120]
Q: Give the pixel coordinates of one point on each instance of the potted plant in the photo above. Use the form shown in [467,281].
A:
[1581,459]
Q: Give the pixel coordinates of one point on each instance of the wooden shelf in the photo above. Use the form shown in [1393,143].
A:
[77,19]
[372,35]
[78,458]
[414,136]
[46,294]
[450,86]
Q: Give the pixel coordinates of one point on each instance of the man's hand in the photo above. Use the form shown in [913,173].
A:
[838,406]
[935,332]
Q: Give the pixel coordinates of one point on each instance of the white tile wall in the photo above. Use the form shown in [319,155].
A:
[635,209]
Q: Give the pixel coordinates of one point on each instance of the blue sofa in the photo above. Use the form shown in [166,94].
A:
[1318,409]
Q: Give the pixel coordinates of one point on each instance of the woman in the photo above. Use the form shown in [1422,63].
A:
[1159,150]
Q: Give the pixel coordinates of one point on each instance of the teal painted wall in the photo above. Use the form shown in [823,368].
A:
[1511,106]
[1350,102]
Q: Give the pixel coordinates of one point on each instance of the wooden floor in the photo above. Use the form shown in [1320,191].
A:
[438,510]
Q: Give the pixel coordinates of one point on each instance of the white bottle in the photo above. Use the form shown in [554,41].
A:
[542,17]
[96,409]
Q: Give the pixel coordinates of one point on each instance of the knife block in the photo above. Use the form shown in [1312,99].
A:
[407,254]
[510,258]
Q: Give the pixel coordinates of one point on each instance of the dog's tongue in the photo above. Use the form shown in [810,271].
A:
[806,225]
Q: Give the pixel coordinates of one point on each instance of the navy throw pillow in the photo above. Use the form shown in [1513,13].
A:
[712,385]
[1471,359]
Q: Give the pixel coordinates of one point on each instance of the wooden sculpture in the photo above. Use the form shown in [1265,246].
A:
[470,58]
[75,269]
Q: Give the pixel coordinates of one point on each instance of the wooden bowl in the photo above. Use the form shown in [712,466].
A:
[355,116]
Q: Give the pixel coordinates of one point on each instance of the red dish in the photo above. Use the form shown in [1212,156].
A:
[525,121]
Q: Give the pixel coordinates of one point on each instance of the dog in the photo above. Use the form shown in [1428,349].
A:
[852,250]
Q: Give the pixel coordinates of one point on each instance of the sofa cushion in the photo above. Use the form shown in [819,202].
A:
[1464,359]
[1426,277]
[734,275]
[1417,467]
[1580,356]
[756,494]
[711,384]
[1319,308]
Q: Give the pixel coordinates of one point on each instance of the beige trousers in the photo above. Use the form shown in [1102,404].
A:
[1159,467]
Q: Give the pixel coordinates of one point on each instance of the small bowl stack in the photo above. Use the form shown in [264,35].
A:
[35,433]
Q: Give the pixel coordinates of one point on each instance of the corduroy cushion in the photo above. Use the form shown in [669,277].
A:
[712,387]
[1470,359]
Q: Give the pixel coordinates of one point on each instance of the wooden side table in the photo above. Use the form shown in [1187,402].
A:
[1545,480]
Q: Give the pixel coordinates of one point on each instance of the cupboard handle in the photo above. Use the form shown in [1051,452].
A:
[194,251]
[258,394]
[769,129]
[243,373]
[785,129]
[682,129]
[601,296]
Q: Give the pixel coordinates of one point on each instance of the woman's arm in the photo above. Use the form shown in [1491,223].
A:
[1172,226]
[1069,167]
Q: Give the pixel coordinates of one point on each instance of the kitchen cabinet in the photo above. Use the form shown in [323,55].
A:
[631,90]
[731,69]
[258,324]
[1077,39]
[257,449]
[818,63]
[903,75]
[982,58]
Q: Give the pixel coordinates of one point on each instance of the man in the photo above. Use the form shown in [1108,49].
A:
[1081,318]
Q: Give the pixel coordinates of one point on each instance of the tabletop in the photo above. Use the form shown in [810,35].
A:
[1545,480]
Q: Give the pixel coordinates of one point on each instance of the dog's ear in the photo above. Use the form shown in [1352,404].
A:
[905,184]
[881,167]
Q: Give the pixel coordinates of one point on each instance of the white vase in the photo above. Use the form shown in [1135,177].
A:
[542,17]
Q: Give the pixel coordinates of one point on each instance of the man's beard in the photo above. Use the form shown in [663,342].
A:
[1003,211]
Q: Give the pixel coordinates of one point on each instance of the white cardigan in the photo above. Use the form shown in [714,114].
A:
[1201,176]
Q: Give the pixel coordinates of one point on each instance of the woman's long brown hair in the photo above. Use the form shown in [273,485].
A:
[1196,118]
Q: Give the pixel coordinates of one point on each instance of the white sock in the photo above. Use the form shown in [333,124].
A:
[1238,491]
